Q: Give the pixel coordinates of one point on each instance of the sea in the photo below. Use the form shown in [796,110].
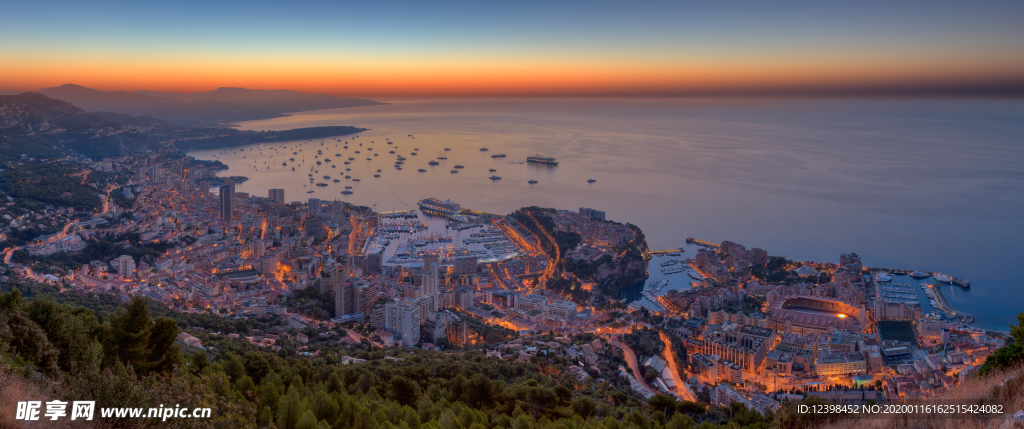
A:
[919,184]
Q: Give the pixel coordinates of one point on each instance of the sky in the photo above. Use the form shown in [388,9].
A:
[441,48]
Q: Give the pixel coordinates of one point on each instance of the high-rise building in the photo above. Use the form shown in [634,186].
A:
[465,265]
[125,265]
[231,183]
[225,202]
[458,332]
[277,195]
[430,274]
[204,187]
[402,318]
[344,299]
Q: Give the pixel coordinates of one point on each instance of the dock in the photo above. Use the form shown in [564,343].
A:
[662,252]
[702,243]
[955,280]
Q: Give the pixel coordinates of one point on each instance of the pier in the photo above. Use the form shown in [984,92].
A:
[702,243]
[664,252]
[954,280]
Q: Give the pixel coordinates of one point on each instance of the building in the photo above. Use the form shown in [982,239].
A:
[591,213]
[344,298]
[745,345]
[458,331]
[835,363]
[125,265]
[402,318]
[225,202]
[465,265]
[277,195]
[430,274]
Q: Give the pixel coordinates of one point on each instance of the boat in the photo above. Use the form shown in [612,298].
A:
[348,187]
[531,181]
[459,166]
[285,164]
[545,160]
[318,163]
[291,159]
[334,166]
[348,177]
[432,162]
[455,171]
[321,184]
[591,180]
[378,170]
[293,168]
[337,180]
[310,175]
[376,175]
[495,178]
[346,192]
[492,170]
[498,155]
[412,153]
[422,170]
[483,149]
[391,152]
[309,192]
[438,206]
[919,275]
[447,149]
[327,177]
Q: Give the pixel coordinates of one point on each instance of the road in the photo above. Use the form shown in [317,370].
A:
[631,359]
[64,231]
[670,355]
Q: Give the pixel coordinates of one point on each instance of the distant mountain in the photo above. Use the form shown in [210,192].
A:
[175,112]
[278,100]
[34,113]
[209,109]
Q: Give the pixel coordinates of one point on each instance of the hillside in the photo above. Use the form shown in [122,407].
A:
[210,109]
[41,127]
[176,112]
[32,113]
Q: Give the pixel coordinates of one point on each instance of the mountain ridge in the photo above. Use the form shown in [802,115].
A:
[216,108]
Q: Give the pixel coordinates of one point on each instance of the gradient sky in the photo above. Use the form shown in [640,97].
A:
[398,48]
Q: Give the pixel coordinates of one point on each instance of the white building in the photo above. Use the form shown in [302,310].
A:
[402,318]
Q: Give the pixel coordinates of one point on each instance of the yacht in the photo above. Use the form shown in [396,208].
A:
[883,277]
[459,166]
[337,180]
[943,278]
[376,175]
[591,181]
[919,275]
[531,181]
[537,159]
[492,170]
[346,192]
[498,155]
[495,178]
[447,149]
[483,149]
[432,162]
[422,170]
[455,171]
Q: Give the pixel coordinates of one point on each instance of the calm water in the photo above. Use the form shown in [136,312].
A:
[931,185]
